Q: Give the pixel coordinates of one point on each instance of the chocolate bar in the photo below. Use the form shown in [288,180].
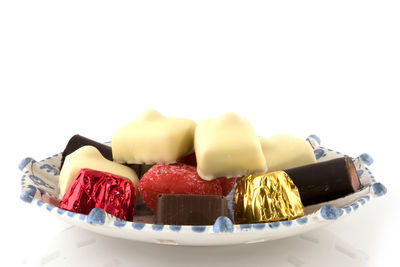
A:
[325,181]
[77,141]
[178,209]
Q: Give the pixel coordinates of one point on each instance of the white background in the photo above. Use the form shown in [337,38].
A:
[329,68]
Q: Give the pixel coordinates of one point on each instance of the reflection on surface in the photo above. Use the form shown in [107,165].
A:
[78,247]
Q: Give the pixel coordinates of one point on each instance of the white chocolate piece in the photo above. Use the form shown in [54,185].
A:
[153,138]
[228,146]
[284,151]
[89,157]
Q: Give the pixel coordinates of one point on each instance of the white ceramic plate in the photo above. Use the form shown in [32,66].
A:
[40,182]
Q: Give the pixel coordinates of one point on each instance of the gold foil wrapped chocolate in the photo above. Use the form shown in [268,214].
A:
[267,198]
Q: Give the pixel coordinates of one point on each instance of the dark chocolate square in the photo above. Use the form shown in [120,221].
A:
[177,209]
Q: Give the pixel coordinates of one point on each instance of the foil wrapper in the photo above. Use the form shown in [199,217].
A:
[95,189]
[267,198]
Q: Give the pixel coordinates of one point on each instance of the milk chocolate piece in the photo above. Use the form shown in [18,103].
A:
[153,138]
[77,141]
[325,181]
[176,209]
[284,151]
[228,146]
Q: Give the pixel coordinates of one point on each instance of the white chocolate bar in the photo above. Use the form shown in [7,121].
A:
[153,138]
[284,151]
[89,157]
[228,146]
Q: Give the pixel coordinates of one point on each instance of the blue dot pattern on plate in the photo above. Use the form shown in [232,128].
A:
[354,206]
[119,223]
[157,227]
[82,217]
[259,226]
[49,207]
[379,189]
[223,224]
[71,214]
[49,169]
[198,228]
[97,216]
[302,220]
[287,223]
[138,226]
[40,203]
[319,153]
[25,162]
[330,212]
[341,211]
[347,209]
[37,181]
[245,227]
[28,194]
[366,158]
[61,211]
[175,228]
[273,225]
[359,173]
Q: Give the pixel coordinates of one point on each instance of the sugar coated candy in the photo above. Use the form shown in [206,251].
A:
[177,179]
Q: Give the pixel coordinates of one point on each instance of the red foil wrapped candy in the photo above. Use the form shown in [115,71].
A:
[95,189]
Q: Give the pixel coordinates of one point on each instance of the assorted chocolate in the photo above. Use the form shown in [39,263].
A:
[153,138]
[325,181]
[284,151]
[177,209]
[267,198]
[189,173]
[228,146]
[95,189]
[77,141]
[90,157]
[280,195]
[174,179]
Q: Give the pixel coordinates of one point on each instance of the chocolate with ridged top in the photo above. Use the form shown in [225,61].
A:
[325,181]
[178,209]
[77,141]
